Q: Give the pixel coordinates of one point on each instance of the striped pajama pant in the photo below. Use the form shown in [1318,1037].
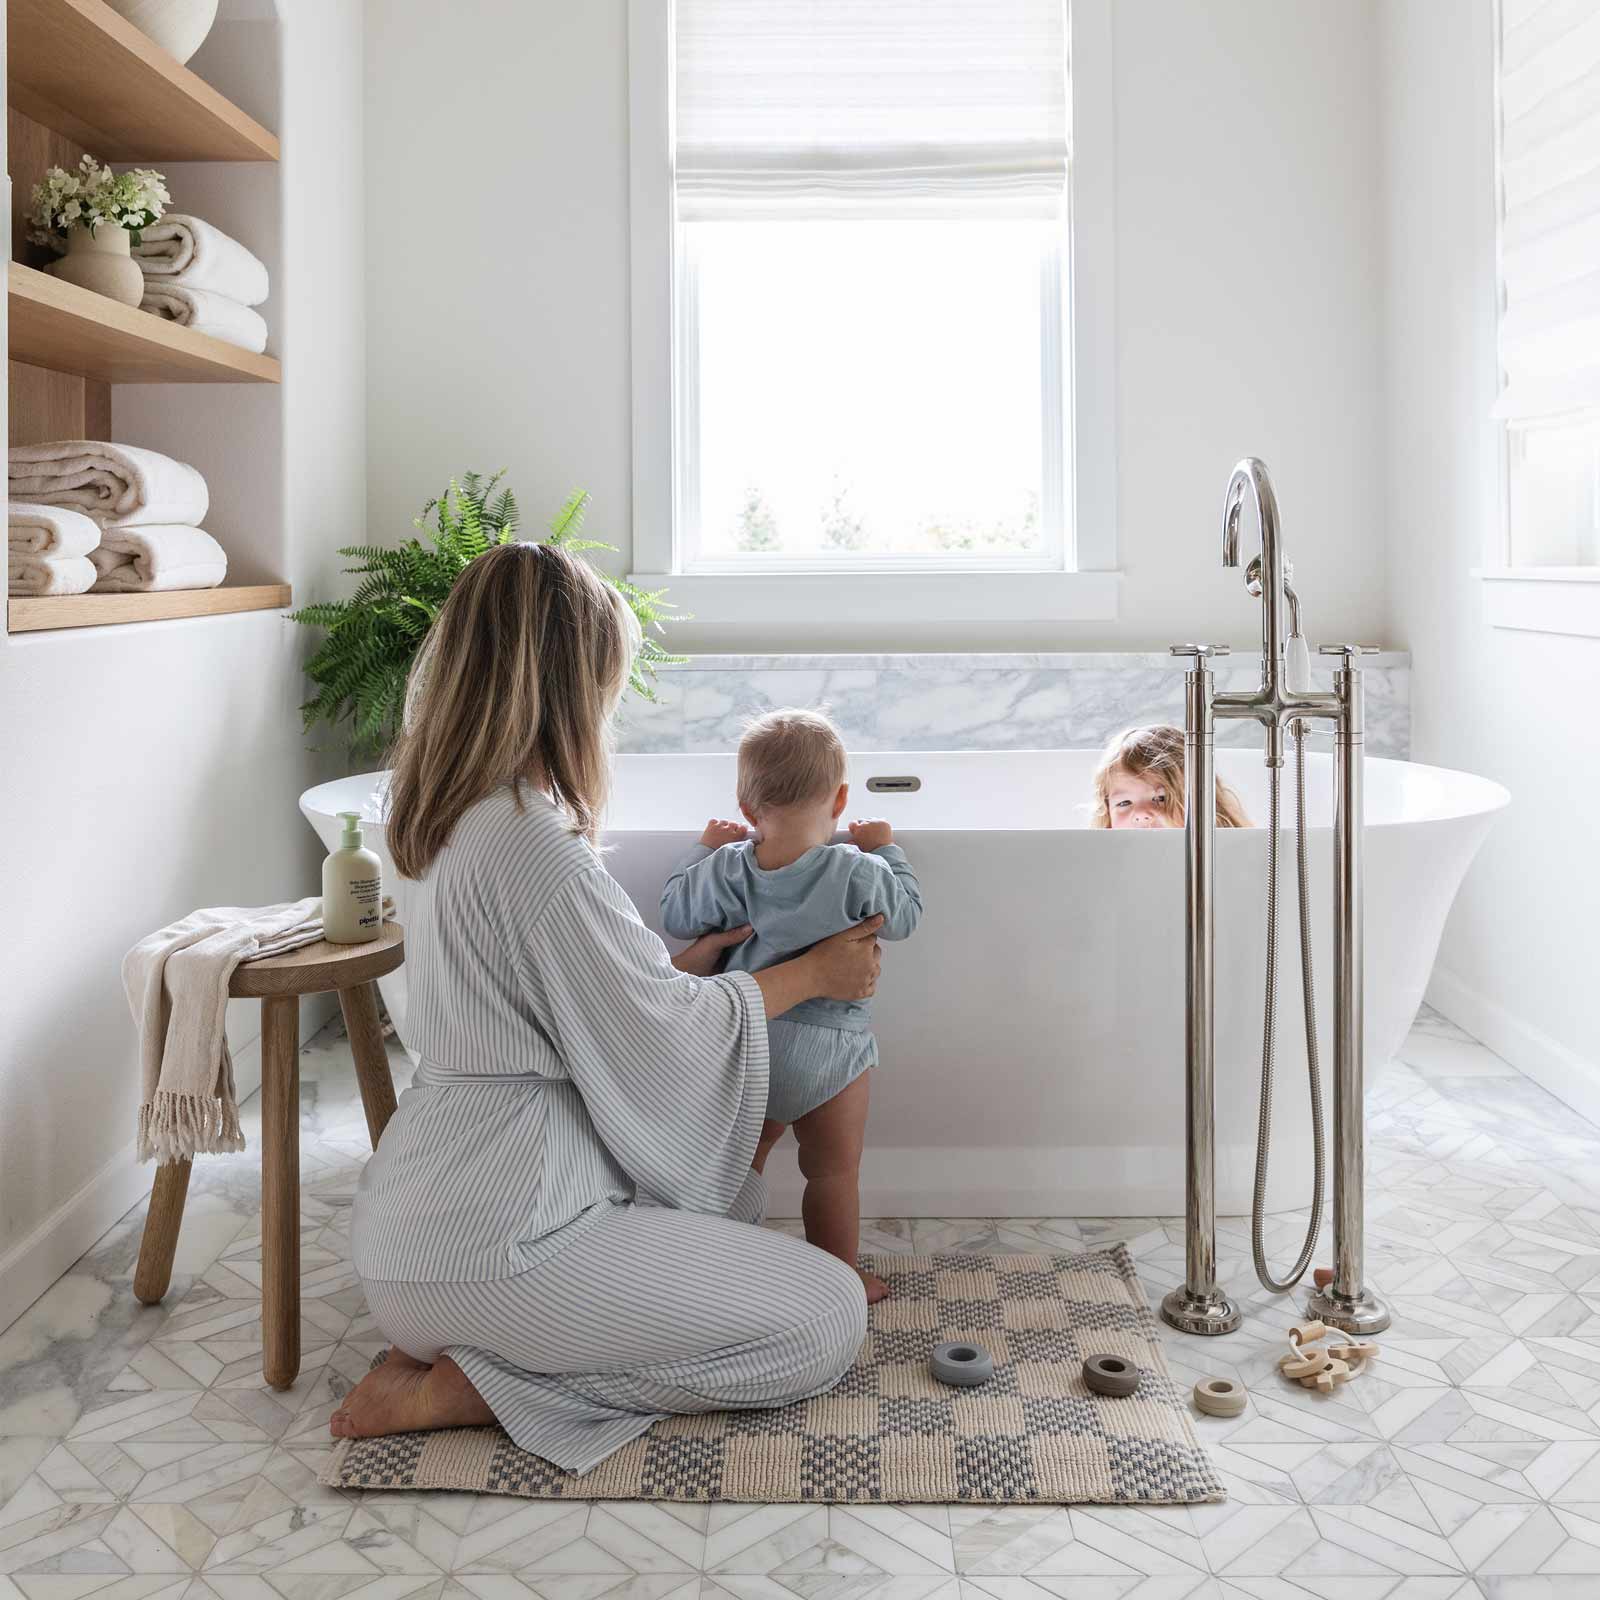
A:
[647,1313]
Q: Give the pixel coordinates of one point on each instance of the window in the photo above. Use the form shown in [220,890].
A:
[867,359]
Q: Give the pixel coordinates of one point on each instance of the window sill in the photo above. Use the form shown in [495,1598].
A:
[1542,599]
[873,597]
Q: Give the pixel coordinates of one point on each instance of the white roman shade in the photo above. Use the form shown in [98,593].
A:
[1549,106]
[879,103]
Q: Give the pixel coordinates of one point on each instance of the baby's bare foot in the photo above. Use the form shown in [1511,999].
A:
[403,1396]
[876,1288]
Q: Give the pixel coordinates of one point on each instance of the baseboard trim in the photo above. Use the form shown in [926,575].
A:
[1570,1078]
[39,1258]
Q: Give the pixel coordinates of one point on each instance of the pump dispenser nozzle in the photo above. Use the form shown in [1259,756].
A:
[352,828]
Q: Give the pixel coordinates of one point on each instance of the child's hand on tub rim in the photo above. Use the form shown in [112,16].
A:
[719,832]
[871,833]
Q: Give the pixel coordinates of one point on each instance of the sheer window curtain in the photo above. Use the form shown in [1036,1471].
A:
[1549,108]
[876,104]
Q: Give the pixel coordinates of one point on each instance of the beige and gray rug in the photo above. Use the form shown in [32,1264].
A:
[889,1431]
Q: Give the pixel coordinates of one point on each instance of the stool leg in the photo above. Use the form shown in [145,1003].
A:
[280,1189]
[362,1023]
[160,1240]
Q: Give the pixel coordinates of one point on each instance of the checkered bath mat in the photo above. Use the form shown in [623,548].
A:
[889,1431]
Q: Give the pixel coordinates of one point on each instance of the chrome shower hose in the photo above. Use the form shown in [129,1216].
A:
[1269,1032]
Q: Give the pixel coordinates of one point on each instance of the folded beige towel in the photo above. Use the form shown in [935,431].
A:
[118,485]
[53,531]
[147,560]
[188,250]
[38,575]
[205,312]
[177,986]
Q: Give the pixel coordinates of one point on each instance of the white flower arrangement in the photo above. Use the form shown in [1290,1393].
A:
[94,195]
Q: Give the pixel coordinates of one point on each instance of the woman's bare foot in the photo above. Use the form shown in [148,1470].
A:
[876,1288]
[403,1396]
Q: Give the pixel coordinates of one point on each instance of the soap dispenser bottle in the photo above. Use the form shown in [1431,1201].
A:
[352,889]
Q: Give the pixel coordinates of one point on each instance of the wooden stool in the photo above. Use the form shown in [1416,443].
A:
[278,982]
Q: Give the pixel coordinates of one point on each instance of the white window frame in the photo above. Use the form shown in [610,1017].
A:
[1005,589]
[1529,599]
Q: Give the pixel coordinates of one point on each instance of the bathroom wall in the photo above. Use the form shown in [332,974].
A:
[1521,949]
[1247,294]
[153,768]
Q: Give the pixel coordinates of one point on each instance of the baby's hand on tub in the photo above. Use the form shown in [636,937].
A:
[718,833]
[873,833]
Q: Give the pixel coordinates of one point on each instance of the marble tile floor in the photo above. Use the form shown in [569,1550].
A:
[141,1457]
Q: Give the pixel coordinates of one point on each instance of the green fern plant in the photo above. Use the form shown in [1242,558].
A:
[360,668]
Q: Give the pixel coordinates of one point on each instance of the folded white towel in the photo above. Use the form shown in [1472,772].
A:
[146,560]
[32,574]
[206,312]
[119,485]
[177,986]
[188,250]
[53,531]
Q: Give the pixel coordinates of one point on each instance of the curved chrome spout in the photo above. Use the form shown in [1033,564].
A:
[1251,475]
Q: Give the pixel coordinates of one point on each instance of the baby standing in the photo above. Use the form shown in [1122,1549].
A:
[783,875]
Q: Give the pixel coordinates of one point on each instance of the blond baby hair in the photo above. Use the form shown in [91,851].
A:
[788,758]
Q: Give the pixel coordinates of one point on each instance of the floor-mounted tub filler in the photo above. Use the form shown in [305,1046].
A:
[1032,1032]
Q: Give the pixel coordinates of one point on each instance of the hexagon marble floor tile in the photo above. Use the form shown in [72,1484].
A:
[141,1457]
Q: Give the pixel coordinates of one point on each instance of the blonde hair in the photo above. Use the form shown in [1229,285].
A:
[1157,753]
[787,758]
[516,683]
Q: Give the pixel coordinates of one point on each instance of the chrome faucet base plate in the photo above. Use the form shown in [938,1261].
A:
[1361,1314]
[1207,1314]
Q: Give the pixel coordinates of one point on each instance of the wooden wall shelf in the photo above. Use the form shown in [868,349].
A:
[78,67]
[68,329]
[102,610]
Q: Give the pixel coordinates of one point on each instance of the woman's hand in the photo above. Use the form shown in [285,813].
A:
[845,966]
[704,956]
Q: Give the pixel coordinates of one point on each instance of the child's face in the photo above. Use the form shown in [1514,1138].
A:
[1138,802]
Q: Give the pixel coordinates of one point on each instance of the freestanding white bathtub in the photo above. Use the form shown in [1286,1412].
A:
[1032,1031]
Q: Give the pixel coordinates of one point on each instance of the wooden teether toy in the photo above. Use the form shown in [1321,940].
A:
[1219,1397]
[1323,1367]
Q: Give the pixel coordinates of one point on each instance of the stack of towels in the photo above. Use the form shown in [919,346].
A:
[196,275]
[113,518]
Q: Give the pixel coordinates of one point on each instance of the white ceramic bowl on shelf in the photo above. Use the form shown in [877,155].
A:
[178,26]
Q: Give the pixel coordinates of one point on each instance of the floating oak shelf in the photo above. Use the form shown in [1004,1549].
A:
[68,329]
[101,610]
[79,68]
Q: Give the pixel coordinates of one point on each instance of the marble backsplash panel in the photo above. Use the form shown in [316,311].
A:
[971,702]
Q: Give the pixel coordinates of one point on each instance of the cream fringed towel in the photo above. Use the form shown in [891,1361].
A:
[177,984]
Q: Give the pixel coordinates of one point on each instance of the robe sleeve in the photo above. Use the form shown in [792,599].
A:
[672,1068]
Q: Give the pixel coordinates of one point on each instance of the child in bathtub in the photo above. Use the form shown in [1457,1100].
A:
[1140,783]
[784,876]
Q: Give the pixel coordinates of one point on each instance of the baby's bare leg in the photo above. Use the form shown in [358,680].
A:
[771,1133]
[831,1140]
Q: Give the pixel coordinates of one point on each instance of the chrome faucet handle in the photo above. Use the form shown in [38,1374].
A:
[1200,650]
[1347,650]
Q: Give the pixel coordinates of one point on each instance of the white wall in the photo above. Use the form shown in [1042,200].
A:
[154,768]
[1247,292]
[1520,952]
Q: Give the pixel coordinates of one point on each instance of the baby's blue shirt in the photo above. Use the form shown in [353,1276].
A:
[830,888]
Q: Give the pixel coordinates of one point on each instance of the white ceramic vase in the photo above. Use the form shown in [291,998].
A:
[178,26]
[102,262]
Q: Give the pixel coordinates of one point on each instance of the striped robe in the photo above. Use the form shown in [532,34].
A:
[563,1201]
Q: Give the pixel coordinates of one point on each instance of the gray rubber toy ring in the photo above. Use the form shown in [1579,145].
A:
[961,1363]
[1112,1375]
